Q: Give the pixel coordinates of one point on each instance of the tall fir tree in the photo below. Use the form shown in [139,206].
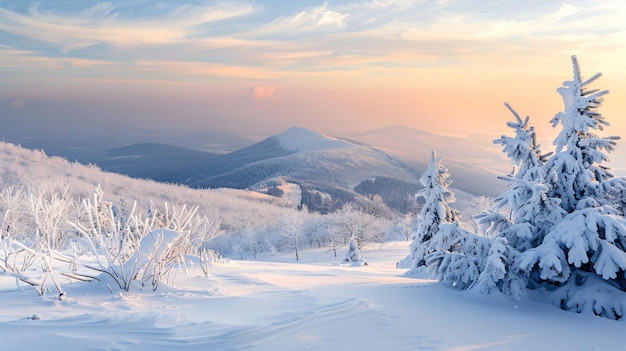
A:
[524,213]
[583,256]
[436,209]
[576,172]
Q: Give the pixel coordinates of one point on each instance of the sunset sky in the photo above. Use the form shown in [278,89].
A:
[339,67]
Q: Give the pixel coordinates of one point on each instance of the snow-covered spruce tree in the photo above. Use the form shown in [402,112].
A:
[522,149]
[436,209]
[576,171]
[454,255]
[524,213]
[354,255]
[582,257]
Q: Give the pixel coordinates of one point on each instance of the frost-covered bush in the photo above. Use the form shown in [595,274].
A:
[35,225]
[351,222]
[46,232]
[141,249]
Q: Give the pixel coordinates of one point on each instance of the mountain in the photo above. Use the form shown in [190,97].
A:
[329,171]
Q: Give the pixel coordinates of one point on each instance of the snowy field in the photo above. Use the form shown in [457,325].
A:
[274,303]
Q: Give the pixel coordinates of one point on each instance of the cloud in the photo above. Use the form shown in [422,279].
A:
[261,92]
[333,43]
[319,18]
[106,23]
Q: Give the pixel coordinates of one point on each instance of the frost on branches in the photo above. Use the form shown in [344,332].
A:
[576,170]
[565,227]
[436,210]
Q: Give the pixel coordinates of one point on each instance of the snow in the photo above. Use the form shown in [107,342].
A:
[276,304]
[303,140]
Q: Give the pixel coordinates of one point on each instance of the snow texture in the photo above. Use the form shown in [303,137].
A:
[313,305]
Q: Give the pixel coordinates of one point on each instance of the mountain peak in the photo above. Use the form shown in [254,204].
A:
[301,140]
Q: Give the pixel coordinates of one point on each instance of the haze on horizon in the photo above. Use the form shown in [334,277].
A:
[338,67]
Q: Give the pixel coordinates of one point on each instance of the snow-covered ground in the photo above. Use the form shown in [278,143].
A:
[276,304]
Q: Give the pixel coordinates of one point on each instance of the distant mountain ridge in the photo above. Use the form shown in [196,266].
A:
[92,147]
[330,171]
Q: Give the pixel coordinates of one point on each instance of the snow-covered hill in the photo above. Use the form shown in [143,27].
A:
[25,168]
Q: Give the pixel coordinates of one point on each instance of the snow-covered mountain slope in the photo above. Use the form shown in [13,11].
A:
[303,140]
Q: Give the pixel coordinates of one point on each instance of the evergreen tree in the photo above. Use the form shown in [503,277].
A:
[522,149]
[531,211]
[563,233]
[578,250]
[354,254]
[497,273]
[576,171]
[455,255]
[435,211]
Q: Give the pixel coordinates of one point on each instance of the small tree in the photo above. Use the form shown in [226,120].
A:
[435,211]
[576,172]
[351,222]
[290,227]
[354,253]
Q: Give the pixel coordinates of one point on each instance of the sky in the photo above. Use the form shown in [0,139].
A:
[340,67]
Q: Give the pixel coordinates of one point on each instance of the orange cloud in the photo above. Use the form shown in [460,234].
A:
[261,91]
